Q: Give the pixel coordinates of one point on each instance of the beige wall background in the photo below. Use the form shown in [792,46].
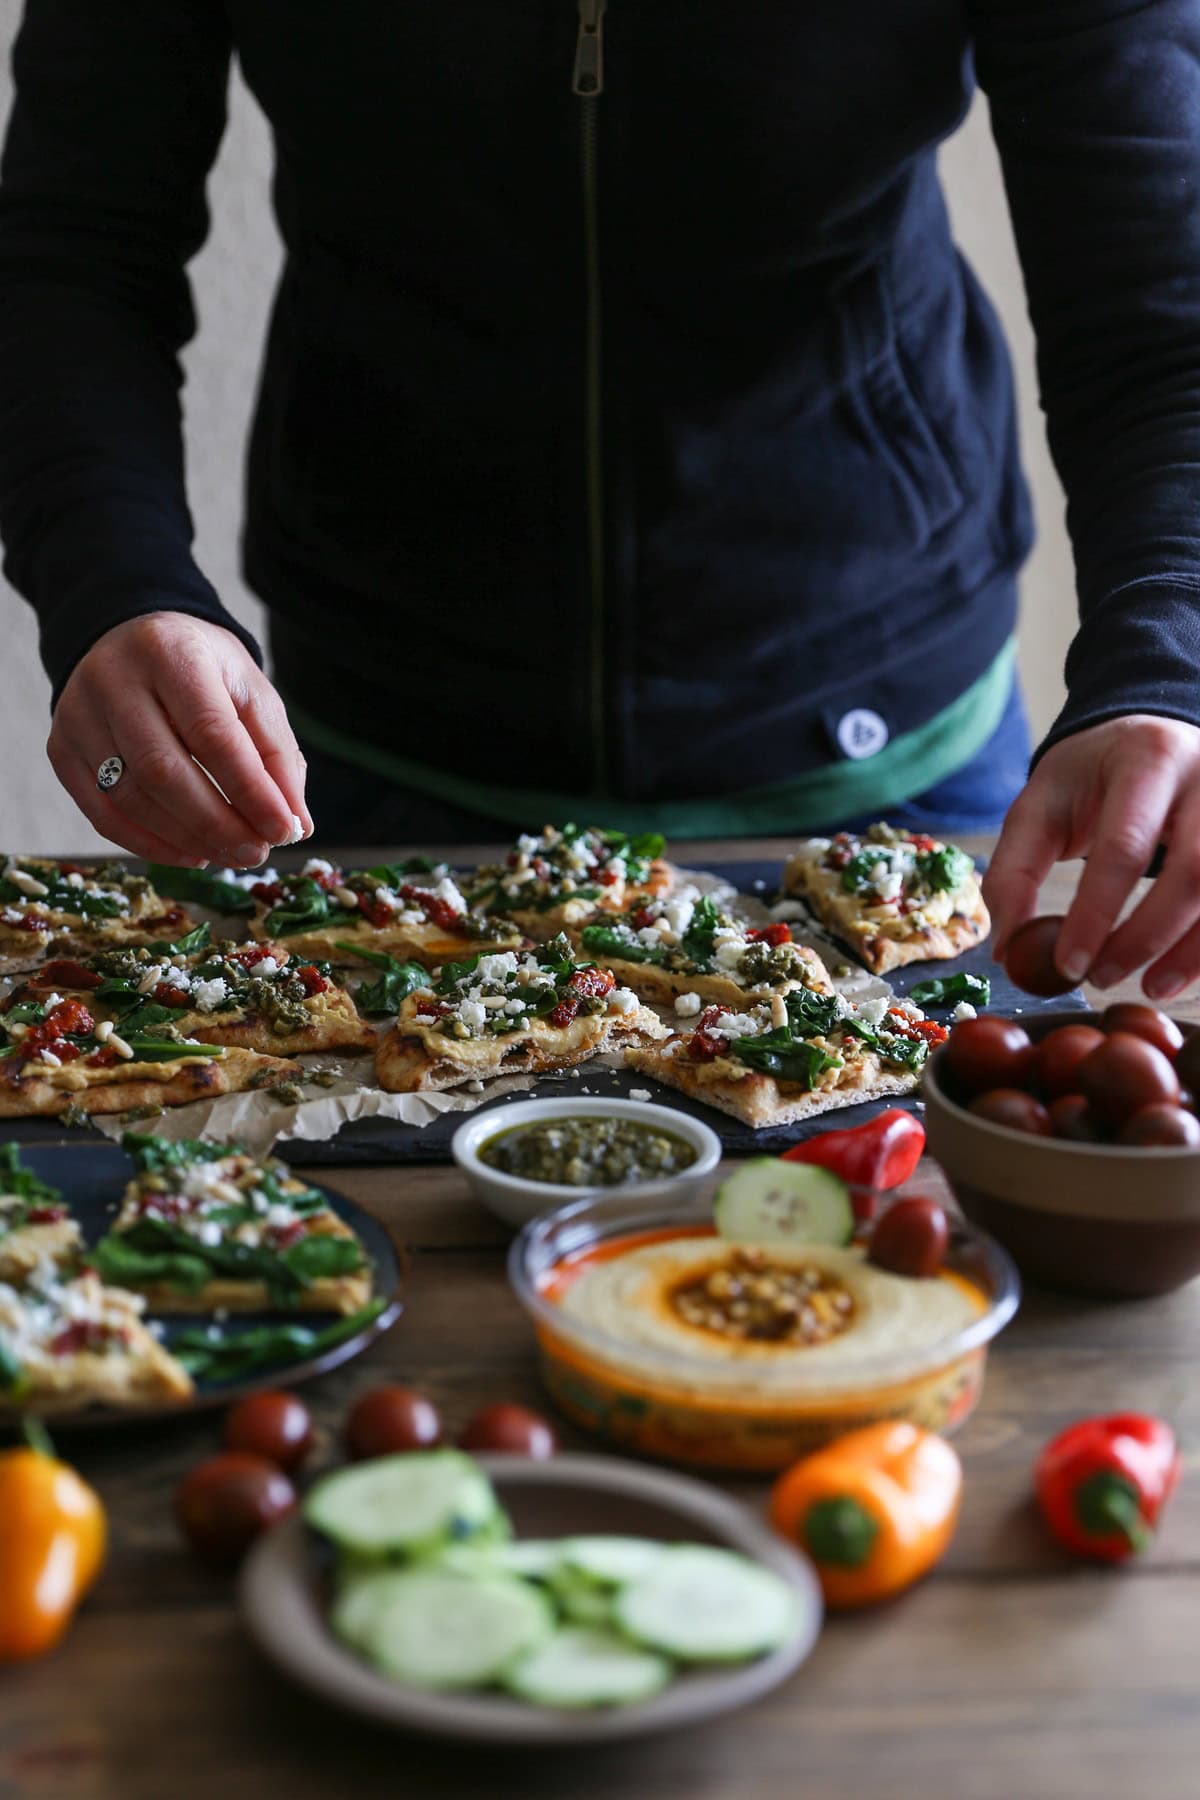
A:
[234,277]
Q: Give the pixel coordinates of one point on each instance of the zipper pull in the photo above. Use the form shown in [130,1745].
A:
[588,79]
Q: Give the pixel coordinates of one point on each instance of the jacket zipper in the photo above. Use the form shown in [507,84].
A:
[588,84]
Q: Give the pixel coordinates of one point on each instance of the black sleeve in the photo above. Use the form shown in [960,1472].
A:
[120,108]
[1096,110]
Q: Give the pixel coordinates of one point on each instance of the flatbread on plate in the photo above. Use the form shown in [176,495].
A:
[49,904]
[36,1227]
[508,1013]
[556,881]
[418,914]
[205,1226]
[68,1341]
[892,896]
[795,1056]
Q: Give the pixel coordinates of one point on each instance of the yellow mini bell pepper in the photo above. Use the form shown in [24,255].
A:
[52,1540]
[874,1510]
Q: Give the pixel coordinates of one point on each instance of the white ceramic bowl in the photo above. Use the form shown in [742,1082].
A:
[516,1200]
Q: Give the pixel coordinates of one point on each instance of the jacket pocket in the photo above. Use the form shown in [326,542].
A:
[890,411]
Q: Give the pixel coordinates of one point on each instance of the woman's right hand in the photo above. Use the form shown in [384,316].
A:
[167,692]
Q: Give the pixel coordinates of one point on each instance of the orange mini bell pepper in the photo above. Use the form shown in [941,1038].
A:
[874,1510]
[52,1540]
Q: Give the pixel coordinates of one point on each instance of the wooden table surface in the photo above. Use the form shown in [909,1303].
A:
[1009,1673]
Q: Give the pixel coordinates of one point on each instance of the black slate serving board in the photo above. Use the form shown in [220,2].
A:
[367,1141]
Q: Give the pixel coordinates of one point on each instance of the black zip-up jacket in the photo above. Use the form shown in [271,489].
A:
[617,443]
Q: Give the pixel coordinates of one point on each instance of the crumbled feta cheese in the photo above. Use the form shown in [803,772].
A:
[447,891]
[639,1093]
[473,1014]
[208,1231]
[649,937]
[514,1007]
[622,1000]
[317,865]
[528,846]
[208,995]
[268,966]
[871,1012]
[75,879]
[964,1010]
[678,913]
[251,877]
[501,967]
[687,1005]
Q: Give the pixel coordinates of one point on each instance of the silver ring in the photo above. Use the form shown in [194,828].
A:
[109,773]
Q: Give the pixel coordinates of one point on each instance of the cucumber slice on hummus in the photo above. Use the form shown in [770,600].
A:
[769,1201]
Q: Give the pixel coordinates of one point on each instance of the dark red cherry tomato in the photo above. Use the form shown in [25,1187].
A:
[1059,1055]
[1169,1126]
[1144,1022]
[1029,957]
[911,1238]
[272,1424]
[509,1428]
[1012,1107]
[1072,1118]
[1125,1074]
[987,1053]
[225,1503]
[390,1419]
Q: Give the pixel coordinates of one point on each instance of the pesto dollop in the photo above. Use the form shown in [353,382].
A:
[587,1152]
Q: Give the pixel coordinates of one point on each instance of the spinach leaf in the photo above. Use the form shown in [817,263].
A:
[944,870]
[153,1154]
[304,907]
[123,1262]
[698,939]
[811,1014]
[148,1049]
[946,990]
[188,945]
[398,981]
[392,874]
[61,895]
[26,1012]
[158,1239]
[858,874]
[198,885]
[211,1355]
[778,1053]
[548,902]
[321,1256]
[604,941]
[18,1180]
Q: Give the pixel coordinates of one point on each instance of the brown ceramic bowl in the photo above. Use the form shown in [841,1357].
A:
[1089,1218]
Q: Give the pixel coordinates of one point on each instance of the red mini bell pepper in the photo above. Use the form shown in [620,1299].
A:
[1102,1484]
[880,1154]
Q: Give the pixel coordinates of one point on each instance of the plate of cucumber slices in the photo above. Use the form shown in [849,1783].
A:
[577,1600]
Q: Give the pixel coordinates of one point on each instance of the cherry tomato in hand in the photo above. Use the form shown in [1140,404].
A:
[1125,1074]
[988,1053]
[911,1238]
[1072,1118]
[274,1425]
[1014,1108]
[1144,1022]
[513,1429]
[1168,1126]
[228,1501]
[391,1419]
[1059,1055]
[1029,958]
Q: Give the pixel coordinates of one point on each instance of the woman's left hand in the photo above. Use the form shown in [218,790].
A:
[1112,793]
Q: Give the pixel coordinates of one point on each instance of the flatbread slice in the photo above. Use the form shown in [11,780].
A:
[68,1059]
[892,897]
[687,951]
[48,904]
[250,996]
[558,880]
[68,1342]
[36,1227]
[205,1225]
[507,1013]
[795,1056]
[414,909]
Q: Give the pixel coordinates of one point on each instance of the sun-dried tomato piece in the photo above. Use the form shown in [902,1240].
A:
[311,977]
[282,1237]
[65,972]
[564,1012]
[775,934]
[71,1015]
[703,1048]
[438,911]
[593,982]
[167,994]
[104,1057]
[269,892]
[45,1215]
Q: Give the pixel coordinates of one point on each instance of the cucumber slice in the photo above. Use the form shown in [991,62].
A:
[580,1599]
[610,1561]
[583,1666]
[414,1502]
[769,1201]
[703,1605]
[360,1592]
[438,1630]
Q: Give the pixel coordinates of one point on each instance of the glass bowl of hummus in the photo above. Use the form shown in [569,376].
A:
[673,1342]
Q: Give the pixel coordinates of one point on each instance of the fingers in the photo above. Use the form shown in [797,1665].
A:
[170,794]
[1033,839]
[196,701]
[265,718]
[1127,830]
[1164,917]
[1175,971]
[102,812]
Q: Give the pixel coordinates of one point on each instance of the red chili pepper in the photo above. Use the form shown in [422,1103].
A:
[1102,1484]
[774,935]
[880,1154]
